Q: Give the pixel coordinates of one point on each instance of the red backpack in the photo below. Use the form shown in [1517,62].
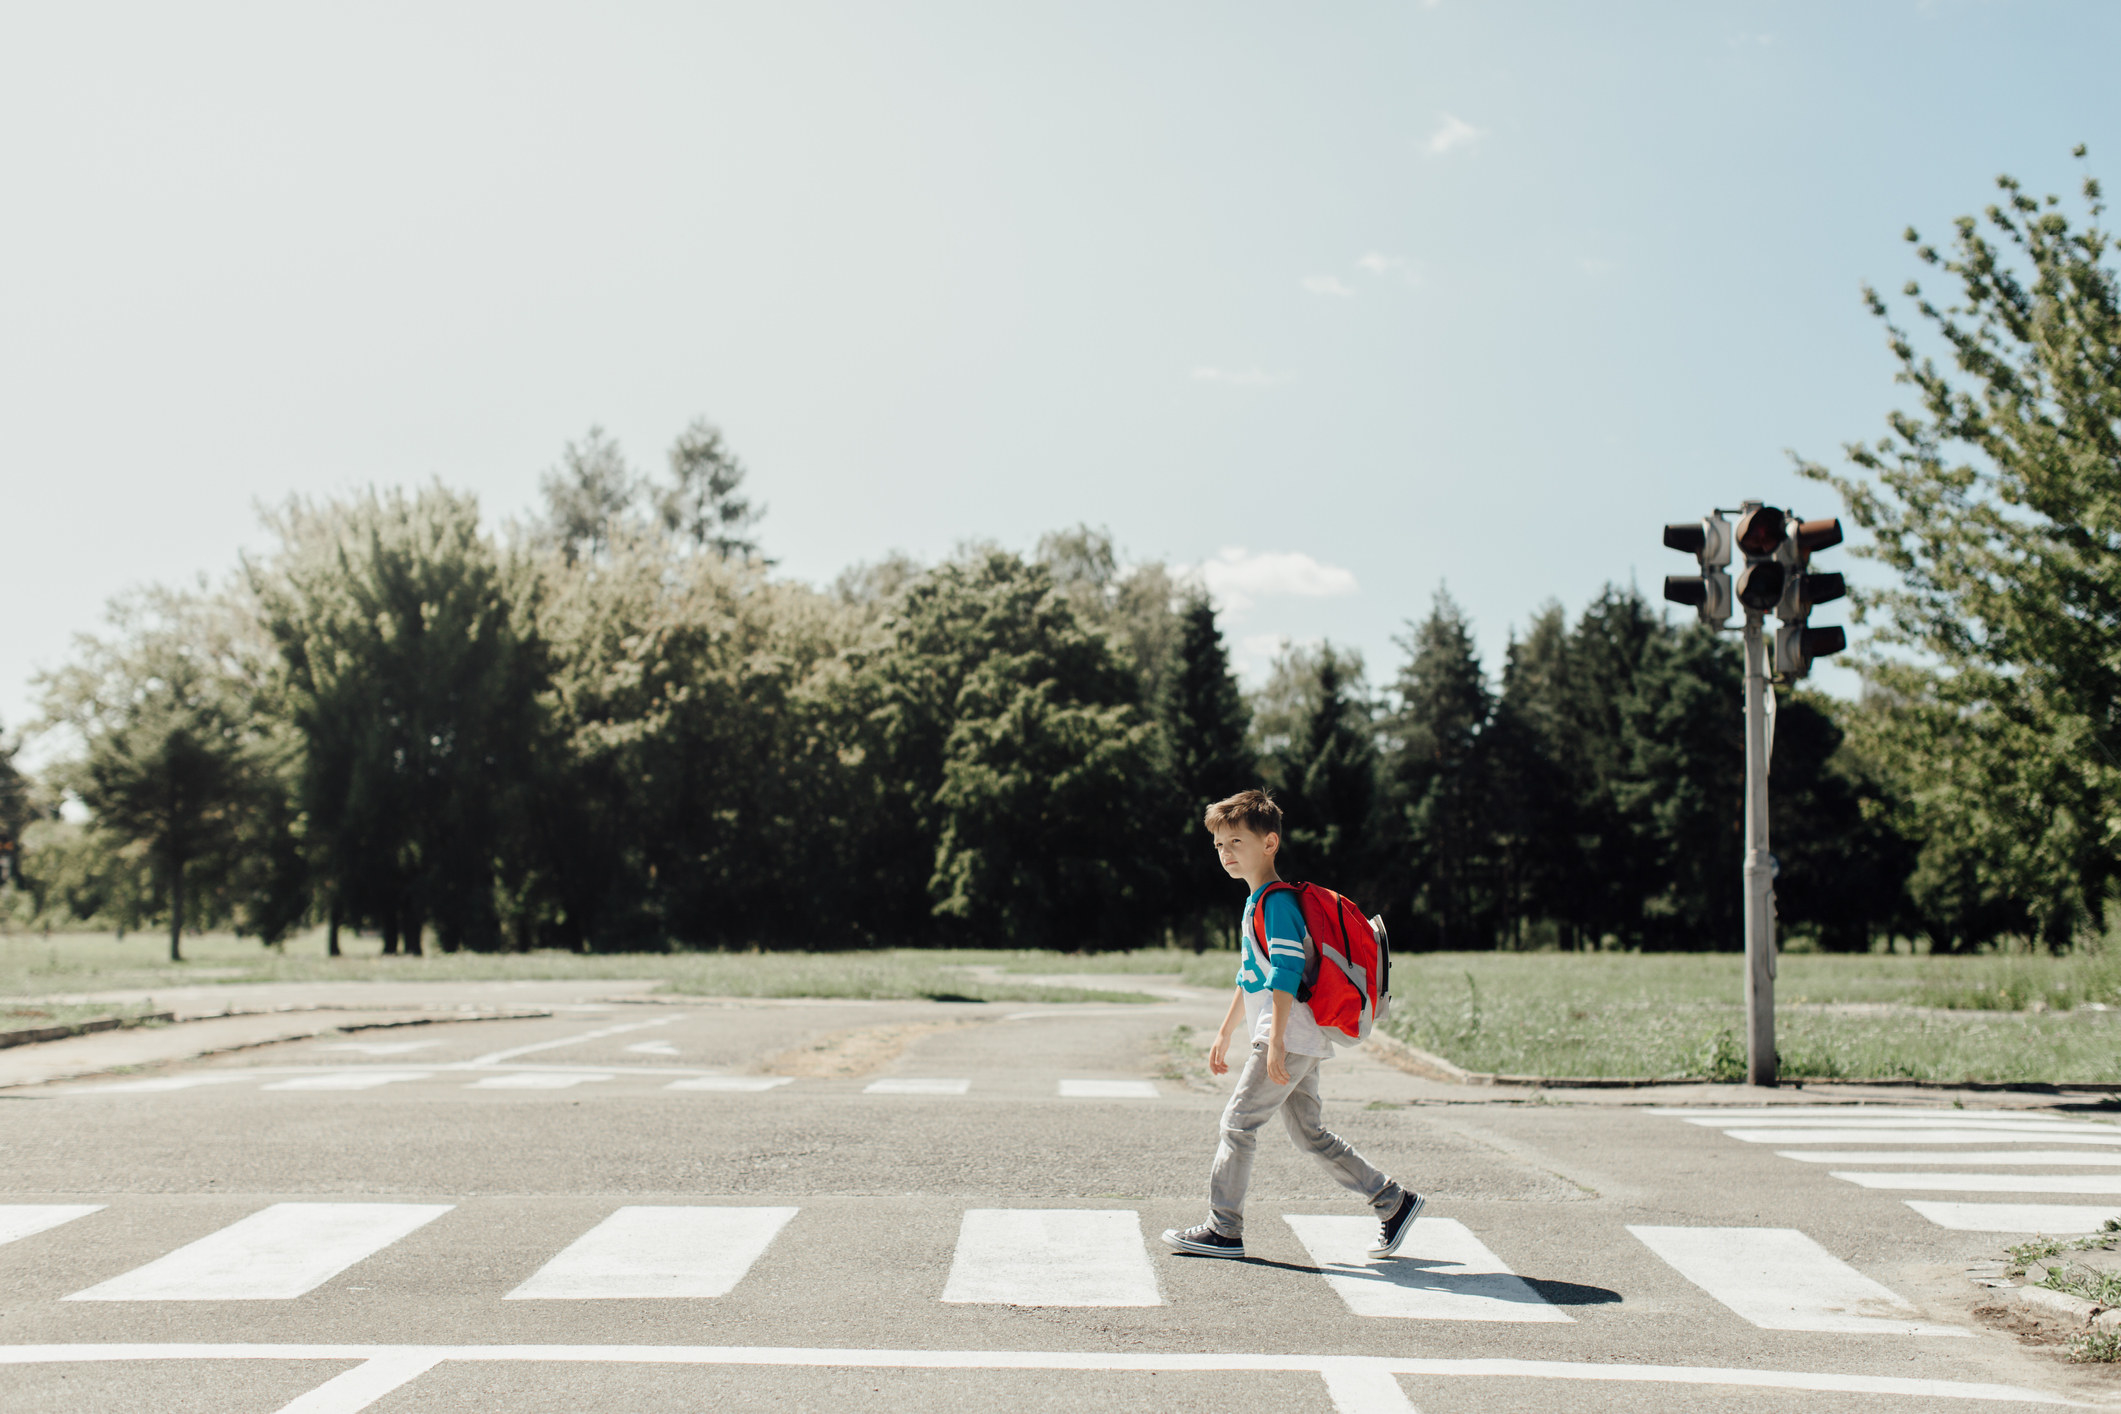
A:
[1347,982]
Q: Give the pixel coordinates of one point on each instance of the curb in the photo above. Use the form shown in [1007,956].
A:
[1416,1061]
[30,1035]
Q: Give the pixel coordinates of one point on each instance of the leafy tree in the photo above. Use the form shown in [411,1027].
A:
[1320,755]
[591,491]
[1013,767]
[1845,861]
[15,812]
[414,692]
[700,505]
[1998,503]
[1205,723]
[165,729]
[1439,794]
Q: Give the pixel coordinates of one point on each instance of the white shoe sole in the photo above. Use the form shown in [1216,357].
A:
[1388,1249]
[1199,1249]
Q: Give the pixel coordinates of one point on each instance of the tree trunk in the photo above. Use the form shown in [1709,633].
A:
[414,924]
[331,928]
[176,913]
[390,931]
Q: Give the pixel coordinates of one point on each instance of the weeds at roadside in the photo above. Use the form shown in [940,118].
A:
[2093,1347]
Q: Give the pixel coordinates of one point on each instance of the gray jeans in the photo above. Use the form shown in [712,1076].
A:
[1255,1099]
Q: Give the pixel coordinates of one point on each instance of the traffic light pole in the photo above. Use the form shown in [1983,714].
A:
[1759,878]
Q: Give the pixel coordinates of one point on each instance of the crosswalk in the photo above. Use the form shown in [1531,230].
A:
[1775,1279]
[1937,1150]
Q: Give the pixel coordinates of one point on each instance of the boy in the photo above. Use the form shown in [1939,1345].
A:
[1287,1048]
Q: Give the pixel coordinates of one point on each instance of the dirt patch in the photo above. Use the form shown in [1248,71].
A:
[839,1054]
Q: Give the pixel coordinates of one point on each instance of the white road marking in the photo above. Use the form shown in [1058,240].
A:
[1774,1113]
[1969,1122]
[1444,1272]
[276,1254]
[1998,1158]
[349,1080]
[2055,1219]
[380,1048]
[1781,1280]
[1347,1367]
[647,1252]
[1988,1182]
[1108,1090]
[536,1080]
[1920,1136]
[1051,1257]
[899,1085]
[354,1390]
[653,1048]
[19,1220]
[739,1083]
[160,1083]
[495,1057]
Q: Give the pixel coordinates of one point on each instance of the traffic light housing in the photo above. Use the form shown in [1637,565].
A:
[1762,531]
[1797,644]
[1708,540]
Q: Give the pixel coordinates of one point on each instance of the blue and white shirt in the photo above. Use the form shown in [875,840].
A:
[1280,970]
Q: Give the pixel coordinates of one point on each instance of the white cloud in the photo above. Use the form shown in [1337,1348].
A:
[1237,377]
[1454,133]
[1240,578]
[1326,285]
[1377,263]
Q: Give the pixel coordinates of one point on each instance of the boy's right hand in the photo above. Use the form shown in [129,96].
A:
[1219,1054]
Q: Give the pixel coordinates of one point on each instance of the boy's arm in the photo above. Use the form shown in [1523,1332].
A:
[1219,1053]
[1277,1055]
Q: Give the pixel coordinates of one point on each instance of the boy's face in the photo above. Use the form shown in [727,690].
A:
[1245,855]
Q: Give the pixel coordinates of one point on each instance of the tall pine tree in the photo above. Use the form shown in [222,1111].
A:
[1205,723]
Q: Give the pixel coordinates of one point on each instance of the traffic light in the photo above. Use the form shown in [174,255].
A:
[1797,644]
[1709,541]
[1761,536]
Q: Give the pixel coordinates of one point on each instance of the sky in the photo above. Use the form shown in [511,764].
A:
[1342,304]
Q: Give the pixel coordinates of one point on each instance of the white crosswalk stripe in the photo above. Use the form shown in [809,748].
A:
[902,1085]
[1924,1136]
[1108,1090]
[1443,1272]
[19,1220]
[536,1080]
[350,1080]
[1986,1182]
[159,1083]
[1987,1158]
[1051,1257]
[734,1084]
[1780,1279]
[655,1252]
[273,1255]
[2053,1219]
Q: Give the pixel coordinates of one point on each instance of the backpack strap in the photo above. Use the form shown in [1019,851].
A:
[1259,934]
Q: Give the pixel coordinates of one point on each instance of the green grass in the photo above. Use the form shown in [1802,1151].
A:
[1670,1016]
[32,965]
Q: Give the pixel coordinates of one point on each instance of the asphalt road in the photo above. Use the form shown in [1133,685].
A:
[915,1206]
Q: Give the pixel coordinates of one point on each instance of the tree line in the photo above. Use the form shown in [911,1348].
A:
[613,727]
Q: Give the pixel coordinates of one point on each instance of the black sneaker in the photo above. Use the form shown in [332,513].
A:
[1394,1229]
[1204,1241]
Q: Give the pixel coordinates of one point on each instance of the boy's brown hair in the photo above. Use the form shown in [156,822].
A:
[1252,810]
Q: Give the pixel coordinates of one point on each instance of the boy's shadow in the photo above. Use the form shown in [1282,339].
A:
[1431,1274]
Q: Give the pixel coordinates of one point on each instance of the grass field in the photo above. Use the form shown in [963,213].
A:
[1950,1019]
[1673,1015]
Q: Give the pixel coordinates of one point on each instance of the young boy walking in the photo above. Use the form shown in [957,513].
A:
[1287,1048]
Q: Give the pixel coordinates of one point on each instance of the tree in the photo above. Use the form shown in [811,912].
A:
[1318,745]
[159,709]
[414,691]
[1438,822]
[1998,504]
[1205,723]
[15,812]
[590,492]
[700,505]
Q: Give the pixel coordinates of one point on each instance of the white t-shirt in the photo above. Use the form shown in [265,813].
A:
[1302,1035]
